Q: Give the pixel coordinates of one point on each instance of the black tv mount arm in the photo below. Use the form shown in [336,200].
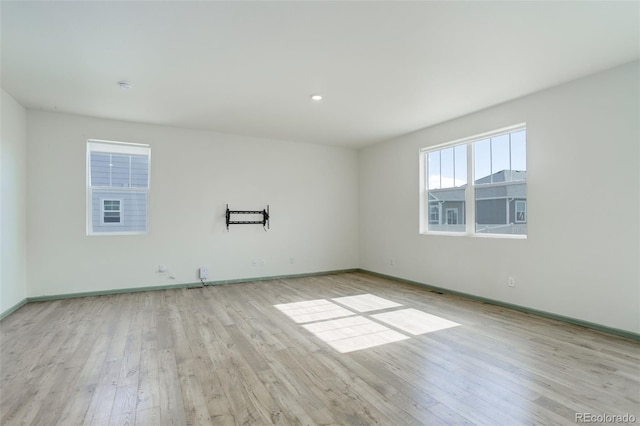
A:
[264,222]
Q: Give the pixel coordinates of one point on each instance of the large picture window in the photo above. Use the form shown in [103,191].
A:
[493,201]
[117,187]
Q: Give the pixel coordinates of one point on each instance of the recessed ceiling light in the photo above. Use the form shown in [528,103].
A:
[124,84]
[316,97]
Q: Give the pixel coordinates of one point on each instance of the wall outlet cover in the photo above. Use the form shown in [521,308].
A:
[204,273]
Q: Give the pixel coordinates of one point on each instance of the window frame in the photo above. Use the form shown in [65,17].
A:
[470,188]
[123,148]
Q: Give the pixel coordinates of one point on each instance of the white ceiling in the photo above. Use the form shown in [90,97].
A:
[248,68]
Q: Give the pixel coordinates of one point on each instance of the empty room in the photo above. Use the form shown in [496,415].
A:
[319,212]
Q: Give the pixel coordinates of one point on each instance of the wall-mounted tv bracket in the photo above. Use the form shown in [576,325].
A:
[264,222]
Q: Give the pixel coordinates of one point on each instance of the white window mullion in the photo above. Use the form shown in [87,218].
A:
[440,167]
[490,160]
[469,194]
[510,166]
[453,154]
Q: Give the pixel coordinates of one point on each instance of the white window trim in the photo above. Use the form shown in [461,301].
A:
[470,213]
[114,147]
[95,145]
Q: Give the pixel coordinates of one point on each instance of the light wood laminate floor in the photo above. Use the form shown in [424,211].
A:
[245,354]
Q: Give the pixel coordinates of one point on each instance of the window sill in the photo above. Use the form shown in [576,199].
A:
[108,234]
[464,234]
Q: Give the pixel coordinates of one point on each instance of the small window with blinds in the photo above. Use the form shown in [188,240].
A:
[111,211]
[117,187]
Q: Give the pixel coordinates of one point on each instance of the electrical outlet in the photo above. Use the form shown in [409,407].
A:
[392,262]
[511,282]
[204,273]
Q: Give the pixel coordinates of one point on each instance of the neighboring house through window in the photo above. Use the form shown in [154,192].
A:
[117,187]
[446,179]
[494,201]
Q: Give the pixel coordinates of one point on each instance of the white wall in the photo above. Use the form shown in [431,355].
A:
[312,192]
[582,253]
[13,182]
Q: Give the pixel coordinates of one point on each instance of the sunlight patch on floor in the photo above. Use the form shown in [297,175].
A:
[313,310]
[366,302]
[345,331]
[414,321]
[353,333]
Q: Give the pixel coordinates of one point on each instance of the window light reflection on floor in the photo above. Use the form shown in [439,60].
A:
[345,331]
[354,333]
[313,310]
[366,302]
[414,321]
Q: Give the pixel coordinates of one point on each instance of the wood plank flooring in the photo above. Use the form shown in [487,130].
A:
[225,355]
